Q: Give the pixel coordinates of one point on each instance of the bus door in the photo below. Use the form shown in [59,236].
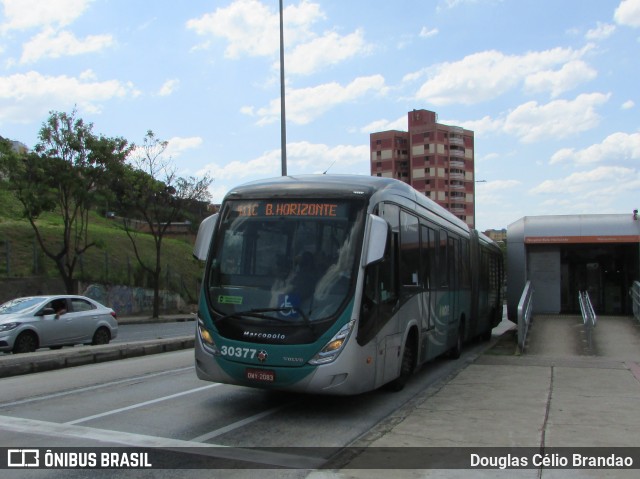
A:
[446,302]
[429,276]
[411,281]
[453,257]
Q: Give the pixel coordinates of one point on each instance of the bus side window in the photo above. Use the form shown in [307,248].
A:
[409,249]
[387,281]
[443,259]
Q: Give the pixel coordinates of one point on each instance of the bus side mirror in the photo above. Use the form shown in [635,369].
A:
[376,239]
[205,233]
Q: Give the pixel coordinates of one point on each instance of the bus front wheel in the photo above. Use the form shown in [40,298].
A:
[406,367]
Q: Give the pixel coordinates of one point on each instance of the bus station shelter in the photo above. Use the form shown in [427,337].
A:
[566,254]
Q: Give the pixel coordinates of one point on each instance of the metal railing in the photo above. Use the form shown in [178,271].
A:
[525,310]
[589,317]
[634,292]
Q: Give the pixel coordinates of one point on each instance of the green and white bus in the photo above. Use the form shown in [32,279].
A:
[338,284]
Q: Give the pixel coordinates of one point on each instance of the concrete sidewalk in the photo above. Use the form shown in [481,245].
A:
[553,396]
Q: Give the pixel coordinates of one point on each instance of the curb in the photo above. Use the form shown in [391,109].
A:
[178,318]
[16,365]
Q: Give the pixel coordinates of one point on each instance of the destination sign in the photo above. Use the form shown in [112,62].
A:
[287,208]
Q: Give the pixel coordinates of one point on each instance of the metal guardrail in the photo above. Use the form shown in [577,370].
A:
[589,317]
[634,292]
[525,310]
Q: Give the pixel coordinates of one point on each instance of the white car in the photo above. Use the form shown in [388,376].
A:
[34,322]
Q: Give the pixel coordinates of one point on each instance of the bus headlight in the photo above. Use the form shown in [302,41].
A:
[332,349]
[207,338]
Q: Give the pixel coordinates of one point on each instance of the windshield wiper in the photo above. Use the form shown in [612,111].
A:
[259,313]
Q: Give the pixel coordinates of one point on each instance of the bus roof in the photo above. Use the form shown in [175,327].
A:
[347,186]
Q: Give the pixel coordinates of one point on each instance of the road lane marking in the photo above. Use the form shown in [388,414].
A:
[44,428]
[92,388]
[142,404]
[238,424]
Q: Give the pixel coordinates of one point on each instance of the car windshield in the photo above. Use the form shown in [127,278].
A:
[19,305]
[285,260]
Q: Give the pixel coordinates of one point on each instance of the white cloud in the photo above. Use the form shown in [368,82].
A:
[557,82]
[484,126]
[426,32]
[601,185]
[601,32]
[177,145]
[302,158]
[455,3]
[306,104]
[493,192]
[305,157]
[488,157]
[414,76]
[385,125]
[498,185]
[26,14]
[486,75]
[252,28]
[532,121]
[627,105]
[618,147]
[168,87]
[28,96]
[268,164]
[557,119]
[320,52]
[52,44]
[628,13]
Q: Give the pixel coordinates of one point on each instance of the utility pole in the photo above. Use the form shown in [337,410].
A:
[283,123]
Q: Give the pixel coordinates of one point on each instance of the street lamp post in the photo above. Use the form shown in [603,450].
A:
[283,124]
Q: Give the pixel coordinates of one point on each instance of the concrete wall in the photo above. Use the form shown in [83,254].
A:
[125,300]
[543,264]
[132,301]
[17,287]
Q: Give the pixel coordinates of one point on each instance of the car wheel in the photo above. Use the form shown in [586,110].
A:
[101,336]
[26,342]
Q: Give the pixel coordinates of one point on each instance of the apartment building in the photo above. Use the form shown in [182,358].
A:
[436,159]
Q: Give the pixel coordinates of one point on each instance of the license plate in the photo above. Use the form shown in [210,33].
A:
[260,375]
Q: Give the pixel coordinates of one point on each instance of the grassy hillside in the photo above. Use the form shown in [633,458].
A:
[112,261]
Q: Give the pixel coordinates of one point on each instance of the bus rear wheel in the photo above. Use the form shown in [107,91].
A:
[456,351]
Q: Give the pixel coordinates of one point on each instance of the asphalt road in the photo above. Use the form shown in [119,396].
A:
[144,332]
[158,401]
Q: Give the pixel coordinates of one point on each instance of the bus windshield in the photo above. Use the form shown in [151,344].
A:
[290,261]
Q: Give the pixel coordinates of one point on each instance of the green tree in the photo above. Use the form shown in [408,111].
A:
[64,174]
[151,197]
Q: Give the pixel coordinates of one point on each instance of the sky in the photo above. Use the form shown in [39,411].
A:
[550,88]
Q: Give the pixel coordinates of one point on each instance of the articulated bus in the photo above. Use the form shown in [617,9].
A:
[338,284]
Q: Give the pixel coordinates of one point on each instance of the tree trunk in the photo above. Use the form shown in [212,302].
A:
[156,294]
